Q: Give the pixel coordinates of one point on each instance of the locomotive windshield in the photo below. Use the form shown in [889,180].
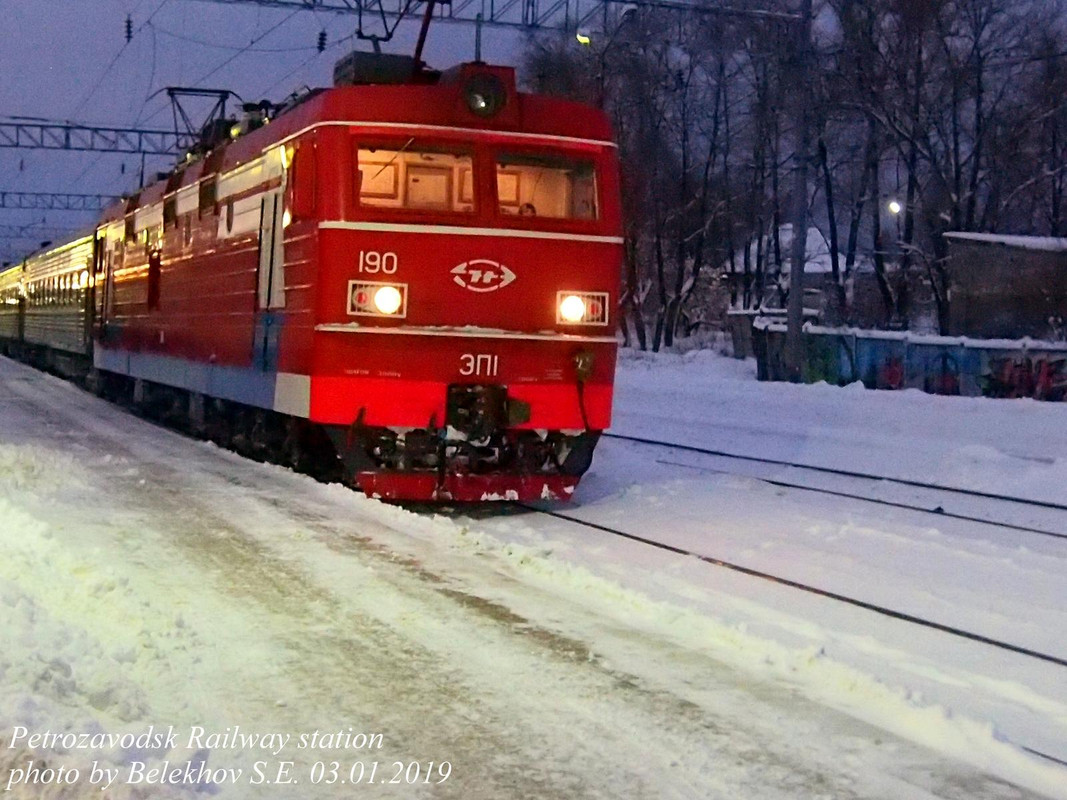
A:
[546,186]
[415,178]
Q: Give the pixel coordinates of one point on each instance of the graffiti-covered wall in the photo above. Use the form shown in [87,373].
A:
[936,364]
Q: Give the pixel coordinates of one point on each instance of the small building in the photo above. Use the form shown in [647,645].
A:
[1007,286]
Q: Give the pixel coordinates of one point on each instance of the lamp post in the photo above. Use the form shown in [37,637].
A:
[895,208]
[585,38]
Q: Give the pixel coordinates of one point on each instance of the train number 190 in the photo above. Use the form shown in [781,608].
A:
[481,364]
[373,262]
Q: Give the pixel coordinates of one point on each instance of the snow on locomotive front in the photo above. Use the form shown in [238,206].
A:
[468,247]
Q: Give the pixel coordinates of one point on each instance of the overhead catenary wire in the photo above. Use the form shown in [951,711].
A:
[150,25]
[231,47]
[92,163]
[255,40]
[240,51]
[305,63]
[103,75]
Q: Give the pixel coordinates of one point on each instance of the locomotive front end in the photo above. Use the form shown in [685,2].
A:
[464,345]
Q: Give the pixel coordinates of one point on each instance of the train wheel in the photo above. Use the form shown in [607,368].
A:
[306,449]
[218,425]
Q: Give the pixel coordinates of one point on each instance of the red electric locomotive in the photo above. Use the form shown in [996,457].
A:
[410,280]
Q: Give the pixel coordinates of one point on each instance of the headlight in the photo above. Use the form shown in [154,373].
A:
[572,308]
[371,299]
[485,95]
[581,308]
[388,299]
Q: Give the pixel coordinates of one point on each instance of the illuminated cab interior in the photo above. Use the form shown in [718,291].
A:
[423,178]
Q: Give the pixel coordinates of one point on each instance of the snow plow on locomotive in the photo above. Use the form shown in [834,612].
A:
[408,283]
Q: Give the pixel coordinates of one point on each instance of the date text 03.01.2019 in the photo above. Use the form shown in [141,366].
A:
[398,772]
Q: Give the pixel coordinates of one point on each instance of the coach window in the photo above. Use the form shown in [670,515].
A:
[416,177]
[170,211]
[546,186]
[208,195]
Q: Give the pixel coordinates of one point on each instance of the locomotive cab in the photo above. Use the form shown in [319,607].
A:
[466,287]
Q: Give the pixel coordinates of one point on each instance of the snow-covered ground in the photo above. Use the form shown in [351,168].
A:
[150,580]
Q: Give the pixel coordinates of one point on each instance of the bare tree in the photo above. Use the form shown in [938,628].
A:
[953,108]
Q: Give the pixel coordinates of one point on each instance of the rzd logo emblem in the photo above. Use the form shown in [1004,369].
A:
[482,275]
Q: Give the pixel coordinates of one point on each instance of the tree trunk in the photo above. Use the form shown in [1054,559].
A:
[870,164]
[979,135]
[831,220]
[661,277]
[634,293]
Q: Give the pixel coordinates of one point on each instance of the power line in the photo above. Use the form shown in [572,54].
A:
[303,64]
[114,60]
[254,41]
[232,47]
[239,52]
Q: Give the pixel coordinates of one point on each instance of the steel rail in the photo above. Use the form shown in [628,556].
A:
[841,472]
[863,604]
[767,576]
[938,511]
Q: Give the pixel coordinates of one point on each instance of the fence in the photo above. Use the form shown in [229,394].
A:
[935,364]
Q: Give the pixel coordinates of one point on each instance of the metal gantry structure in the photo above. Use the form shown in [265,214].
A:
[526,14]
[45,135]
[55,201]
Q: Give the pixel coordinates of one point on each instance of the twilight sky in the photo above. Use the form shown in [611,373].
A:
[69,60]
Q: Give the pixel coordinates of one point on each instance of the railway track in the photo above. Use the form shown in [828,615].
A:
[937,510]
[885,611]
